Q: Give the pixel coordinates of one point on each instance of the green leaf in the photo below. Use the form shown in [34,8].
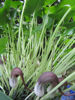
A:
[33,5]
[4,96]
[57,11]
[70,25]
[49,2]
[15,4]
[3,42]
[67,3]
[4,11]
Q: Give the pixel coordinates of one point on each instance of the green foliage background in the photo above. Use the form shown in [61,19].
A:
[35,31]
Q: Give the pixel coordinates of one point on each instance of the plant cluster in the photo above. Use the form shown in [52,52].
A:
[36,36]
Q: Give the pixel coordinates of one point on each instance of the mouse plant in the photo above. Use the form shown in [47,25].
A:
[13,79]
[48,77]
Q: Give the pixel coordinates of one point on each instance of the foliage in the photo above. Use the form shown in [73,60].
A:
[3,42]
[36,36]
[4,97]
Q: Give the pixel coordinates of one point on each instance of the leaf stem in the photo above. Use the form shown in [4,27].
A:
[20,25]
